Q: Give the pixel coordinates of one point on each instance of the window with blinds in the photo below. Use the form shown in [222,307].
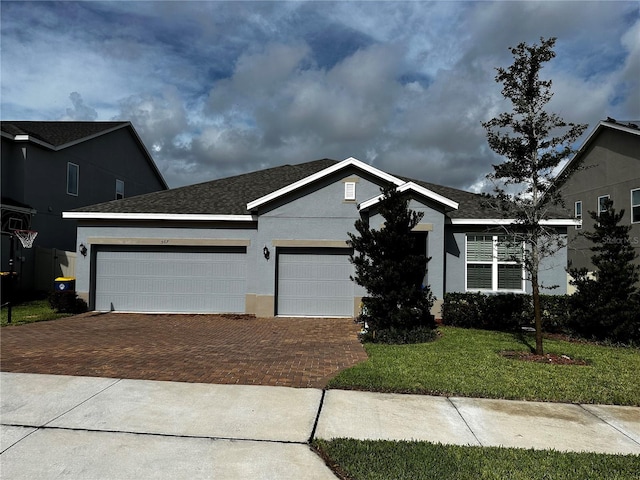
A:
[494,262]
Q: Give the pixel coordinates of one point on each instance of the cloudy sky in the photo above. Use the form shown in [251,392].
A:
[221,88]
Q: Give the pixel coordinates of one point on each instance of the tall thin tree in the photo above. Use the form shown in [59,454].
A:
[391,266]
[533,142]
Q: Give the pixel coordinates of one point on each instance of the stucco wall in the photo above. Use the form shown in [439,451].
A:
[101,161]
[610,166]
[318,214]
[552,269]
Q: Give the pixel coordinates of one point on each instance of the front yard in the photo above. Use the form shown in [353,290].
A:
[469,363]
[460,363]
[465,362]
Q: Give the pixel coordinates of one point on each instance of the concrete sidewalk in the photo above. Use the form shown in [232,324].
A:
[482,422]
[103,428]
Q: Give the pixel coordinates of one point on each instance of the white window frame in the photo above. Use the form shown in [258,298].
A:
[637,205]
[578,215]
[494,262]
[349,191]
[77,186]
[598,206]
[119,191]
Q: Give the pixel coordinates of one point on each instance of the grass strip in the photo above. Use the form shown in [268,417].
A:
[467,362]
[30,312]
[386,460]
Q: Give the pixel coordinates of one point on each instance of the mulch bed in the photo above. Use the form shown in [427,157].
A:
[550,358]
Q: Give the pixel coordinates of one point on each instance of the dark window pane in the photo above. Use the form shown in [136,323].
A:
[509,277]
[479,277]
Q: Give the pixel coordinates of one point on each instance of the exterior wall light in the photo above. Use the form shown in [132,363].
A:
[83,250]
[266,252]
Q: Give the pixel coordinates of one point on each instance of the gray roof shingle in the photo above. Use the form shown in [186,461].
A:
[229,196]
[226,196]
[58,133]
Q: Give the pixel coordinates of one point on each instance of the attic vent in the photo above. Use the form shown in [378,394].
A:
[350,190]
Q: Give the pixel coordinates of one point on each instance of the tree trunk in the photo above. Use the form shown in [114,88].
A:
[537,313]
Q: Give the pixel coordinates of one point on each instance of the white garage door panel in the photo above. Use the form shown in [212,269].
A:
[314,284]
[170,281]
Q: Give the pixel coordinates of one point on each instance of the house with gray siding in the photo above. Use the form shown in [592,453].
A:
[51,167]
[274,242]
[606,166]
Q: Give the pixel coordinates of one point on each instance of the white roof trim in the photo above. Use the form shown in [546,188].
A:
[555,222]
[185,217]
[349,162]
[416,188]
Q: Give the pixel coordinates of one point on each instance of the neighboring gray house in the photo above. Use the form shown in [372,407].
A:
[607,165]
[273,242]
[50,167]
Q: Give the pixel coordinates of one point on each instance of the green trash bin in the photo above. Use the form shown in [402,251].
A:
[63,284]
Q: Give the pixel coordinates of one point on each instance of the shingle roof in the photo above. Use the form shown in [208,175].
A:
[226,196]
[470,205]
[58,133]
[229,196]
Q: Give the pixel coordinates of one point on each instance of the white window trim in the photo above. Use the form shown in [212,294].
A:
[632,205]
[576,215]
[119,182]
[494,267]
[598,206]
[77,179]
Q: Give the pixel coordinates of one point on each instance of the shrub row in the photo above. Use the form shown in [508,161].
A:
[504,312]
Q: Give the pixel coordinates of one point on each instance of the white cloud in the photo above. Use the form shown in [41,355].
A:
[220,88]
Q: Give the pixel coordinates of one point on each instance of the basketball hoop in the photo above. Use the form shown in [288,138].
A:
[26,237]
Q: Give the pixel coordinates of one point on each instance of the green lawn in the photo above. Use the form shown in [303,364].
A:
[29,312]
[465,362]
[384,460]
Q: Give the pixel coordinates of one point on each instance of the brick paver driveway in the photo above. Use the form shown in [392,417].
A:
[295,352]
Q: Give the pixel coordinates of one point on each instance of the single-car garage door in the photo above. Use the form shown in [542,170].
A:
[170,280]
[315,283]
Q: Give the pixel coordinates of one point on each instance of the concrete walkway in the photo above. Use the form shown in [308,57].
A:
[104,428]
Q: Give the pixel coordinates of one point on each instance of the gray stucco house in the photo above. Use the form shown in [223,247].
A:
[50,167]
[273,242]
[607,165]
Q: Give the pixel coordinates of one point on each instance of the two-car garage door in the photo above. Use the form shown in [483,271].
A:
[310,282]
[171,279]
